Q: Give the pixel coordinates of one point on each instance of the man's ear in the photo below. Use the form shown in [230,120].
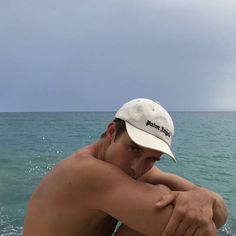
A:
[111,131]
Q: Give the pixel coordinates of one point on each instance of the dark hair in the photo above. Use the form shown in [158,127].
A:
[120,128]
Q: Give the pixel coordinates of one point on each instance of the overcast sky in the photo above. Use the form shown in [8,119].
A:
[85,55]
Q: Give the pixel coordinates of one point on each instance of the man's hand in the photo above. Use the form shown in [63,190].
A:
[192,215]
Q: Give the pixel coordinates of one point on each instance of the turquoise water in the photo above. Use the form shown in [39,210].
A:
[31,144]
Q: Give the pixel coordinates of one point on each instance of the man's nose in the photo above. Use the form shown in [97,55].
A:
[137,168]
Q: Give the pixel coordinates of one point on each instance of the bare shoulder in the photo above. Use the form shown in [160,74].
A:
[84,166]
[85,175]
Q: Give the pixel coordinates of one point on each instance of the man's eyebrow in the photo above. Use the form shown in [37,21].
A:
[135,144]
[140,147]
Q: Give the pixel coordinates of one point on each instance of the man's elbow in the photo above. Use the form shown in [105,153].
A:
[221,219]
[220,212]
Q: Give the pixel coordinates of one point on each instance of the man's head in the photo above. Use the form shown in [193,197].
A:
[139,135]
[148,124]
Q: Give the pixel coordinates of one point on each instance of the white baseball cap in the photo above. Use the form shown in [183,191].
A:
[148,124]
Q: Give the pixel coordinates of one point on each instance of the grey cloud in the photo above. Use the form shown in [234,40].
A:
[89,55]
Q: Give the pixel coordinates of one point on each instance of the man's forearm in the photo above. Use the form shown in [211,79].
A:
[174,182]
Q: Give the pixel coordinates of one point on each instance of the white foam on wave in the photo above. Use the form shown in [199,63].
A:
[11,230]
[226,231]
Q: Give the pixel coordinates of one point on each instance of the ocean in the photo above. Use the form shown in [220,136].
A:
[32,143]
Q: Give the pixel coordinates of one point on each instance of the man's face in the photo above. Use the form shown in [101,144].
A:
[133,159]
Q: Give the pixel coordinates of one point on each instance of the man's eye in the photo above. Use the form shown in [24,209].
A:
[134,149]
[153,159]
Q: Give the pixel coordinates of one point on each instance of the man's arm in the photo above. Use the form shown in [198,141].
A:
[106,188]
[172,181]
[177,183]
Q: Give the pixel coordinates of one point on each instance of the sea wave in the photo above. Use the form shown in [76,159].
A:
[11,230]
[226,231]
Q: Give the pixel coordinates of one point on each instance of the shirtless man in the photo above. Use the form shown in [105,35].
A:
[116,179]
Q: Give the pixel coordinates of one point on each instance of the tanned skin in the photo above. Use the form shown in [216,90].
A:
[115,179]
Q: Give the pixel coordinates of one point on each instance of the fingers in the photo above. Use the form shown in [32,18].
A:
[192,214]
[186,223]
[172,225]
[193,225]
[200,232]
[166,200]
[200,227]
[195,230]
[187,228]
[211,230]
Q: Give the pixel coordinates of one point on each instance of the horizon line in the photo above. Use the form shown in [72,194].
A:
[74,111]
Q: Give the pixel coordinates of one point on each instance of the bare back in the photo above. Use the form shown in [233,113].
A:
[56,207]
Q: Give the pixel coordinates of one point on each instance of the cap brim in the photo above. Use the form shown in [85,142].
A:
[147,140]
